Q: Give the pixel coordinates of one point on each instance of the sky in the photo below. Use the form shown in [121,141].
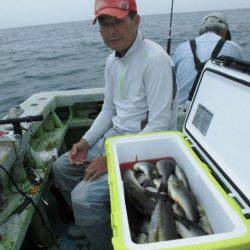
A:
[17,13]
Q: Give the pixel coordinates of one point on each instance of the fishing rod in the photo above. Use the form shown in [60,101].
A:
[170,28]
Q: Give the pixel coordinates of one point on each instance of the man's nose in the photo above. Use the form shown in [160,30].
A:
[111,28]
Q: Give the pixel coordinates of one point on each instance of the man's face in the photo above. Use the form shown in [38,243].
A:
[119,34]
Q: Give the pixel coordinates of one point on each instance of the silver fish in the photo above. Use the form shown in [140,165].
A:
[155,193]
[141,177]
[144,228]
[144,167]
[144,181]
[162,224]
[130,176]
[157,182]
[178,210]
[181,176]
[205,225]
[136,194]
[165,169]
[141,238]
[185,199]
[154,173]
[204,222]
[187,229]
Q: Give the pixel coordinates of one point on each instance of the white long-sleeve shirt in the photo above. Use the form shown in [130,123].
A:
[137,86]
[184,60]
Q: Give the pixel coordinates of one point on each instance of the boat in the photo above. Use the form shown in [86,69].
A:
[28,153]
[32,136]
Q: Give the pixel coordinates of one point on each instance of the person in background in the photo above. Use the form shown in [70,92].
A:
[140,96]
[214,40]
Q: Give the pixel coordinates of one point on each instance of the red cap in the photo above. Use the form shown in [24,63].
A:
[116,8]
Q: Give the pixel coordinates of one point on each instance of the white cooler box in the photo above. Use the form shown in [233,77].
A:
[214,153]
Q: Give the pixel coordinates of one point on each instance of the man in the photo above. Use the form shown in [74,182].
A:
[213,28]
[140,96]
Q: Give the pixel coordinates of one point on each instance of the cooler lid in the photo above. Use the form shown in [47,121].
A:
[218,123]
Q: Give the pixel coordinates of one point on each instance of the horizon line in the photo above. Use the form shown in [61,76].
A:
[82,20]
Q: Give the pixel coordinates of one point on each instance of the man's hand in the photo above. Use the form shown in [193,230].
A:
[96,168]
[78,153]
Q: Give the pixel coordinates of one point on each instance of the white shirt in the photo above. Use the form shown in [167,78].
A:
[184,61]
[137,84]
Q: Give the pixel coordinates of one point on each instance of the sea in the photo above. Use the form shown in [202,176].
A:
[69,56]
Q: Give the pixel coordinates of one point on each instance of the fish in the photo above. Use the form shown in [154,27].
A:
[144,227]
[157,182]
[165,169]
[144,167]
[144,170]
[136,194]
[141,238]
[154,173]
[205,225]
[130,176]
[162,223]
[186,228]
[204,222]
[135,217]
[178,210]
[143,231]
[185,199]
[144,181]
[156,193]
[181,176]
[140,177]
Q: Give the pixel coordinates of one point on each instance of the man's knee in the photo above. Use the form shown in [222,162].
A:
[96,191]
[59,166]
[90,203]
[80,195]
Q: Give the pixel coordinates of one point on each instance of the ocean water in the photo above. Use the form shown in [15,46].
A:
[72,55]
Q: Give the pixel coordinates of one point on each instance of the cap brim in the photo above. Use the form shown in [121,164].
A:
[117,13]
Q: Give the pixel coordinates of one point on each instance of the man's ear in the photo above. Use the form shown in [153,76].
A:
[137,20]
[224,34]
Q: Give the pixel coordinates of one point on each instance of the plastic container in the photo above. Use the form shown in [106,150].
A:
[214,154]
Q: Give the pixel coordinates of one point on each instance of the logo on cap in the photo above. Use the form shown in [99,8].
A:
[124,5]
[120,4]
[99,4]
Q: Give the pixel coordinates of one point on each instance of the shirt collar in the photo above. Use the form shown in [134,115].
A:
[134,47]
[209,36]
